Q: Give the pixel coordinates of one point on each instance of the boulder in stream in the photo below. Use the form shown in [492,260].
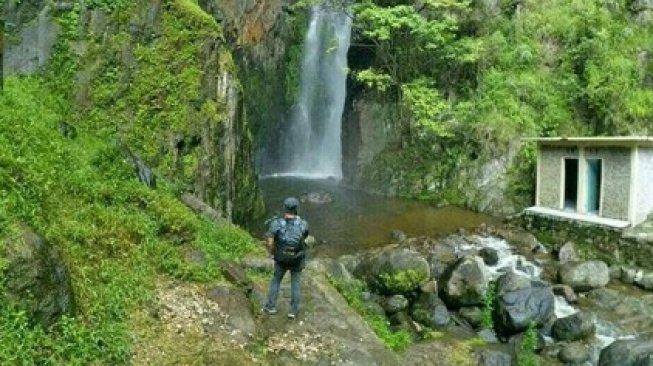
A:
[430,310]
[317,198]
[395,304]
[574,354]
[627,353]
[490,256]
[464,283]
[520,302]
[574,327]
[394,270]
[567,253]
[584,276]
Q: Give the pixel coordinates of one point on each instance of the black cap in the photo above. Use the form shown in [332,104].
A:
[291,204]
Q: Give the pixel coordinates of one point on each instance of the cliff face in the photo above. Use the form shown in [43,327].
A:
[266,38]
[155,75]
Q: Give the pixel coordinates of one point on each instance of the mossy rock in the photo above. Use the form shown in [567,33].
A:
[394,271]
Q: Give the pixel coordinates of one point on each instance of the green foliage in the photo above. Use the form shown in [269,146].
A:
[488,306]
[403,281]
[526,353]
[351,291]
[115,234]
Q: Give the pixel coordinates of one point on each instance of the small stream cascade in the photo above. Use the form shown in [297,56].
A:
[313,147]
[606,331]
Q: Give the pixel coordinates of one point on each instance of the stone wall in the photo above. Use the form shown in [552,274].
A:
[592,241]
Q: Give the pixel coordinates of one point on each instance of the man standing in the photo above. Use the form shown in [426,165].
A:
[285,241]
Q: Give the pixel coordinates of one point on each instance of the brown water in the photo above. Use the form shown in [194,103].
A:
[356,220]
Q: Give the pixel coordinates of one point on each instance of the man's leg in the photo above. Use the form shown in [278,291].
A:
[275,283]
[295,282]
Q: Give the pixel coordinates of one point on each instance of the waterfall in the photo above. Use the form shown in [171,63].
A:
[313,145]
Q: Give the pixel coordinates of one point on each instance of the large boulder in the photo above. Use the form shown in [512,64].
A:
[567,253]
[627,353]
[465,283]
[574,354]
[430,310]
[490,256]
[584,276]
[574,327]
[520,302]
[394,270]
[36,278]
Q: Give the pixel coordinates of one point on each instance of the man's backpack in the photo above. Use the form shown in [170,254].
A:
[290,242]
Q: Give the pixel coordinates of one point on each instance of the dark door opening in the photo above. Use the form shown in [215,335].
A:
[594,172]
[571,184]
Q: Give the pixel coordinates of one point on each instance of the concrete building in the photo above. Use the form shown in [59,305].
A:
[603,180]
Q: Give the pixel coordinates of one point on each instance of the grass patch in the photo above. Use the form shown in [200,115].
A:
[351,291]
[114,233]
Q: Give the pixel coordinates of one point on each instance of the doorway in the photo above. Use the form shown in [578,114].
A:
[571,184]
[594,173]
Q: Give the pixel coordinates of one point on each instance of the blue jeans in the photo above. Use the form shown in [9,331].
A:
[295,280]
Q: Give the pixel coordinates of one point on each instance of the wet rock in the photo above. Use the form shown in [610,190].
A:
[398,235]
[567,292]
[567,253]
[490,256]
[472,315]
[644,361]
[338,271]
[395,304]
[574,354]
[36,277]
[646,281]
[317,198]
[440,258]
[584,276]
[574,327]
[401,321]
[494,358]
[350,262]
[626,352]
[488,335]
[430,310]
[464,283]
[430,287]
[394,270]
[521,302]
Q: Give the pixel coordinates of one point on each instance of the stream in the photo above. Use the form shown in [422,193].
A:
[355,221]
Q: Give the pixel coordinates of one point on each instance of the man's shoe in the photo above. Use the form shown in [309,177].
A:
[292,316]
[269,311]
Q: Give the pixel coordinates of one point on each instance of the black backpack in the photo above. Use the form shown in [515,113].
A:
[290,242]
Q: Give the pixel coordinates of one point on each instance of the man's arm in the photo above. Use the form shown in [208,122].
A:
[269,245]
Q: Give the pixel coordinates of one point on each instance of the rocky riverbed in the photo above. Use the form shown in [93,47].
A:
[466,299]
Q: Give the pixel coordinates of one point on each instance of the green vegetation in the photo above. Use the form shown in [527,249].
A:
[526,354]
[488,306]
[472,77]
[115,234]
[63,173]
[401,282]
[351,291]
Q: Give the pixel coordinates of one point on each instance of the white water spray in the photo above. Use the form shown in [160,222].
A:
[314,147]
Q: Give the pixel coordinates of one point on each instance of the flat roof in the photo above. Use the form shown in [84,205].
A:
[594,140]
[575,216]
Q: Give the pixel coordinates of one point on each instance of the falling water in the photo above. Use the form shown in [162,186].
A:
[313,147]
